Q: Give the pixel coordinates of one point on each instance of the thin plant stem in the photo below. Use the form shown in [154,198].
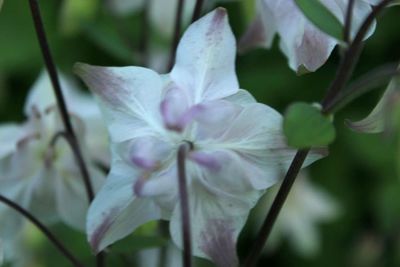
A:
[276,207]
[163,230]
[177,33]
[69,131]
[345,70]
[50,236]
[51,68]
[144,34]
[197,10]
[351,57]
[348,21]
[184,205]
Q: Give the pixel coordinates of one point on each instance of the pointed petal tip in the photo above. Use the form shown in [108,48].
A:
[96,237]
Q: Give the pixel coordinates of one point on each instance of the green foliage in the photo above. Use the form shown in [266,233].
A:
[321,17]
[305,127]
[75,13]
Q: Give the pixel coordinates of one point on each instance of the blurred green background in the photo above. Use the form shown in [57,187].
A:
[361,172]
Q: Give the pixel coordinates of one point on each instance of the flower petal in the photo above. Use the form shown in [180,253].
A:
[115,211]
[260,150]
[205,61]
[10,134]
[216,220]
[72,201]
[173,107]
[129,97]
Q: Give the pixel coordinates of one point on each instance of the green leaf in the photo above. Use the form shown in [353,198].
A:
[321,17]
[305,127]
[1,4]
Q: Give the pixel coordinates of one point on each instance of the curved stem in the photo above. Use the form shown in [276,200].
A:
[276,207]
[57,243]
[51,68]
[197,10]
[184,204]
[177,32]
[348,21]
[351,57]
[343,74]
[69,131]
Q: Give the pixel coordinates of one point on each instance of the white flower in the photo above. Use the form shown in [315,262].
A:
[305,46]
[44,179]
[306,206]
[238,146]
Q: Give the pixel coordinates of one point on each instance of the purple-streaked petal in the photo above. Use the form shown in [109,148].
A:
[129,97]
[148,152]
[157,184]
[115,211]
[205,61]
[208,210]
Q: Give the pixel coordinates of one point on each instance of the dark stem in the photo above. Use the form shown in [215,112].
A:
[177,33]
[351,57]
[164,232]
[369,81]
[51,68]
[57,243]
[348,21]
[69,131]
[343,74]
[197,10]
[144,34]
[184,204]
[276,207]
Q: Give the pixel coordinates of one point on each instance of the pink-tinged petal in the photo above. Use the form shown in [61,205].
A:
[148,152]
[173,107]
[208,160]
[205,61]
[211,115]
[129,97]
[219,242]
[115,211]
[208,209]
[254,147]
[256,35]
[159,183]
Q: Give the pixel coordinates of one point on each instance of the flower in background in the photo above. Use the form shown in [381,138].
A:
[305,208]
[151,257]
[306,47]
[42,178]
[163,24]
[238,148]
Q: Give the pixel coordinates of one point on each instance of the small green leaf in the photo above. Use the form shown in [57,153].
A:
[305,127]
[321,17]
